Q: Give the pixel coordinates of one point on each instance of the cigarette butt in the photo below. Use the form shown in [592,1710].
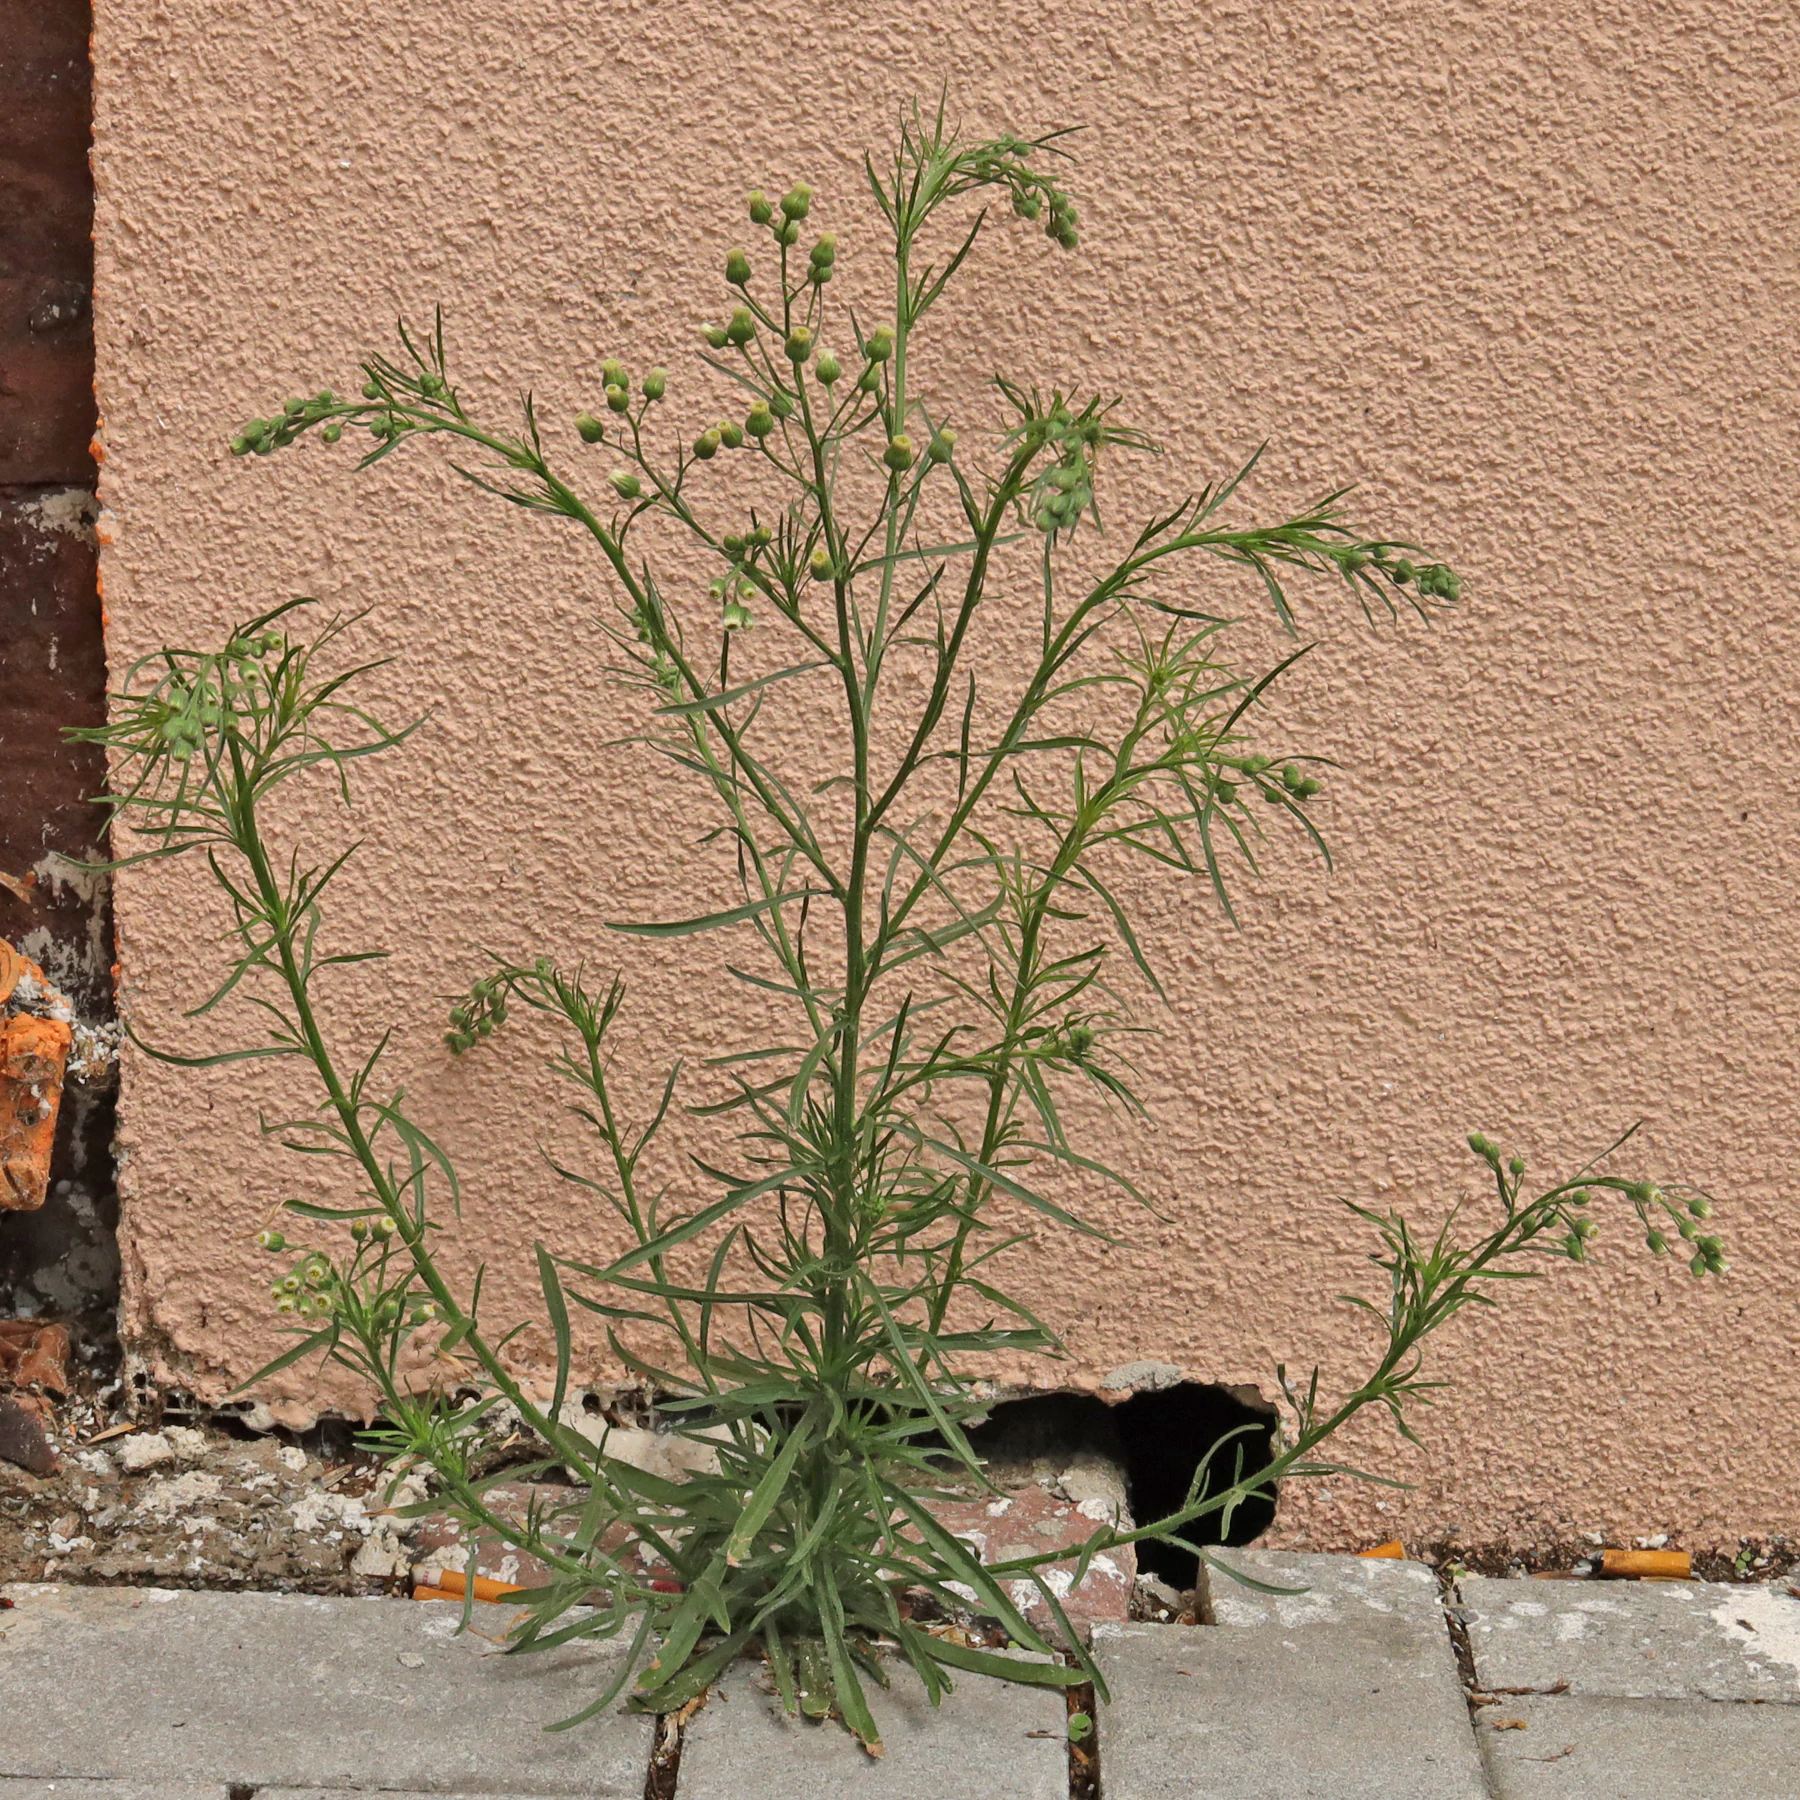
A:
[1671,1565]
[454,1583]
[434,1593]
[1392,1551]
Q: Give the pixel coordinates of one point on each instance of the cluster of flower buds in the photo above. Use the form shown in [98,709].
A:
[1436,581]
[1003,163]
[306,1289]
[1064,492]
[783,220]
[1708,1251]
[733,593]
[480,1015]
[617,381]
[261,436]
[1072,1042]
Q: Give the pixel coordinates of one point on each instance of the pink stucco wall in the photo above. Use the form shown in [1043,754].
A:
[1525,272]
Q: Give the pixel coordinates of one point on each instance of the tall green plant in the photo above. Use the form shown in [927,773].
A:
[942,909]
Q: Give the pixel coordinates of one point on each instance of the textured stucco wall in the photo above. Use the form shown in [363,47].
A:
[1526,272]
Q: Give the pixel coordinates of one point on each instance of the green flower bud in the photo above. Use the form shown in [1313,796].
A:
[706,445]
[1657,1242]
[240,445]
[290,1284]
[294,408]
[818,273]
[591,430]
[799,345]
[737,267]
[619,399]
[759,421]
[1356,562]
[730,435]
[761,212]
[1516,1166]
[359,1229]
[1584,1227]
[942,446]
[821,564]
[762,536]
[286,1304]
[656,384]
[371,390]
[827,368]
[742,327]
[788,232]
[625,484]
[1291,778]
[271,1239]
[880,345]
[733,546]
[796,203]
[1697,1264]
[825,250]
[736,616]
[716,336]
[1700,1207]
[899,454]
[1402,572]
[781,404]
[612,373]
[325,397]
[332,432]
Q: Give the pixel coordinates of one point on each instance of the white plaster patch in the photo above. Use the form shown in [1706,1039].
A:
[1527,1609]
[1765,1623]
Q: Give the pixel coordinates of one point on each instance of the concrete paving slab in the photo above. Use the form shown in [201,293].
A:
[989,1740]
[36,1787]
[293,1690]
[1674,1640]
[1602,1748]
[1346,1692]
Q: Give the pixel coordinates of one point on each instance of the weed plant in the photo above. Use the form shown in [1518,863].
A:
[942,907]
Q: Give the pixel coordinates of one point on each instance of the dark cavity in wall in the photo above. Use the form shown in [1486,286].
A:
[61,1260]
[1157,1440]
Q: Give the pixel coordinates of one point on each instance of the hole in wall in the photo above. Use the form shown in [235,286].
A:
[1155,1440]
[1166,1434]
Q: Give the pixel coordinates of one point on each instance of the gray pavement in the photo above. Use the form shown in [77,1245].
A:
[1636,1690]
[1347,1691]
[289,1690]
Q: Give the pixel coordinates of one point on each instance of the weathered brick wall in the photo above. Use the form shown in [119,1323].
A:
[52,659]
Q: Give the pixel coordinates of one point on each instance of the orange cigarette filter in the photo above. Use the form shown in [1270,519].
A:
[1392,1551]
[1671,1565]
[452,1584]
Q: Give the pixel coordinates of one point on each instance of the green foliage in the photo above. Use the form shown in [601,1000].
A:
[939,912]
